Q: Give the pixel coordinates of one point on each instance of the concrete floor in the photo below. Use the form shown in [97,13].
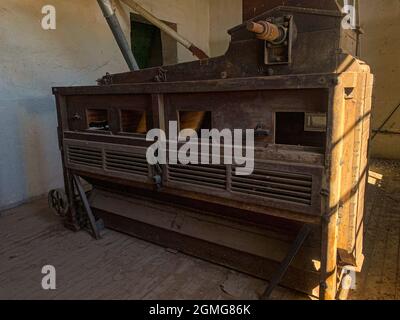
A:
[121,267]
[380,277]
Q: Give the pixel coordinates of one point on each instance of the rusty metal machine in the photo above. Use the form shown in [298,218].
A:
[298,219]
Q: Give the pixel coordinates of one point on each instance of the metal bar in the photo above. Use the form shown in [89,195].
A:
[294,250]
[387,132]
[88,210]
[384,123]
[119,36]
[166,28]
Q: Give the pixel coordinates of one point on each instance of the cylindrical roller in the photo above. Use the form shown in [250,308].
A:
[265,30]
[166,28]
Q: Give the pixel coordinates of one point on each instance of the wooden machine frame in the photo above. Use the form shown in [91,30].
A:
[303,200]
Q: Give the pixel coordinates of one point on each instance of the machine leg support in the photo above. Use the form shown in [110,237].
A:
[94,225]
[294,250]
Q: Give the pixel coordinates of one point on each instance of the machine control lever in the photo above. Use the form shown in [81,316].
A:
[260,132]
[157,178]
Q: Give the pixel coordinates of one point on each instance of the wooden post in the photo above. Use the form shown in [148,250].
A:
[71,218]
[335,134]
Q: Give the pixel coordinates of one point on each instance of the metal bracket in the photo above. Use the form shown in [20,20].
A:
[106,80]
[280,53]
[284,266]
[161,75]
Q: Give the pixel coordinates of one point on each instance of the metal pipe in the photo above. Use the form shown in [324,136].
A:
[385,122]
[387,132]
[119,36]
[167,29]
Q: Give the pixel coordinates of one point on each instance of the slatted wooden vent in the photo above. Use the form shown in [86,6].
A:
[85,156]
[212,176]
[290,187]
[129,163]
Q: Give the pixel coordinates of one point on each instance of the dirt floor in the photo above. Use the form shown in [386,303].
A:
[122,267]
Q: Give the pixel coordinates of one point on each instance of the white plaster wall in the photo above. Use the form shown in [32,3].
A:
[32,61]
[380,48]
[224,15]
[191,16]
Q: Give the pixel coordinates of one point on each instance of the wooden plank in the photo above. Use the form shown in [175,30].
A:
[314,81]
[261,267]
[253,8]
[116,267]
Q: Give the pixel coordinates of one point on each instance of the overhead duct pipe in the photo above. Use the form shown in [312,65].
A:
[200,54]
[119,36]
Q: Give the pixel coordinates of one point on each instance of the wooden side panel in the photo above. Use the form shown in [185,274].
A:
[358,105]
[330,225]
[364,163]
[350,172]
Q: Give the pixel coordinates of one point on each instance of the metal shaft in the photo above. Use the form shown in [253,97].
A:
[166,28]
[265,30]
[119,36]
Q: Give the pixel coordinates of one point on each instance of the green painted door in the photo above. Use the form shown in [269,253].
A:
[146,44]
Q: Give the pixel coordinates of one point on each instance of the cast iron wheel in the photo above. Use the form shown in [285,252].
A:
[58,201]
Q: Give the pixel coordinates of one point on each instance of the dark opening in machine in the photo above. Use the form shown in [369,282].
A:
[97,119]
[134,121]
[300,129]
[195,120]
